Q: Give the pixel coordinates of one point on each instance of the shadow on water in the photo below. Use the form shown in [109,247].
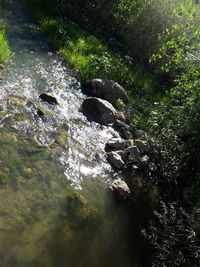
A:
[55,210]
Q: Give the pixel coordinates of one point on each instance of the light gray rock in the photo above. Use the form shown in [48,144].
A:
[143,146]
[117,143]
[120,190]
[145,160]
[120,116]
[105,89]
[115,160]
[48,98]
[100,110]
[134,153]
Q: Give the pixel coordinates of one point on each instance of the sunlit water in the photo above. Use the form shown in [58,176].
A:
[55,210]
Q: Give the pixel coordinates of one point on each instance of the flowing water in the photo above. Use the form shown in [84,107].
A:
[55,210]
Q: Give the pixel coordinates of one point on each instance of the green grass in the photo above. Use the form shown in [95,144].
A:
[90,58]
[5,52]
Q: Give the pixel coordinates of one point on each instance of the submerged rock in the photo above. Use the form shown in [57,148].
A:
[115,160]
[120,190]
[106,89]
[100,110]
[48,98]
[40,110]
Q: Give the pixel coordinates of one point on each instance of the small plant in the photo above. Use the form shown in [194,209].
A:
[120,104]
[5,53]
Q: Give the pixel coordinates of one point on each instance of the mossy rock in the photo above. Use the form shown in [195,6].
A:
[80,213]
[41,110]
[16,100]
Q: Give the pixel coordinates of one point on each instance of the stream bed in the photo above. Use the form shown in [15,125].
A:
[55,210]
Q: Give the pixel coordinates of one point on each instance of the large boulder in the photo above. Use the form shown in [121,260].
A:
[120,190]
[99,110]
[105,89]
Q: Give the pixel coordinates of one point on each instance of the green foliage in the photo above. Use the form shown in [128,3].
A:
[91,58]
[5,53]
[174,236]
[120,104]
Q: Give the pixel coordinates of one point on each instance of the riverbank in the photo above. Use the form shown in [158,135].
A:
[91,58]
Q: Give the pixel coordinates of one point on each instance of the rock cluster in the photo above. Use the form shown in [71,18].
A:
[133,147]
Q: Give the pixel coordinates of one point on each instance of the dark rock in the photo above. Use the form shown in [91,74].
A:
[120,190]
[100,110]
[127,135]
[134,154]
[142,145]
[117,143]
[106,89]
[123,129]
[48,98]
[115,160]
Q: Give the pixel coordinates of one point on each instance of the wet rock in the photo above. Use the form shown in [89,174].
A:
[120,190]
[115,160]
[16,100]
[105,89]
[39,109]
[100,110]
[134,153]
[143,146]
[48,98]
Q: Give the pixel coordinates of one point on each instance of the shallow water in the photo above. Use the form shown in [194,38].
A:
[55,210]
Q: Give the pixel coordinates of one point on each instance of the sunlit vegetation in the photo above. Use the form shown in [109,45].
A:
[163,37]
[5,53]
[91,57]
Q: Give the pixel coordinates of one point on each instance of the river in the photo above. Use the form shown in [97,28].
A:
[55,209]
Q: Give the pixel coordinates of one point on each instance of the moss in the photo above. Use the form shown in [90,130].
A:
[5,53]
